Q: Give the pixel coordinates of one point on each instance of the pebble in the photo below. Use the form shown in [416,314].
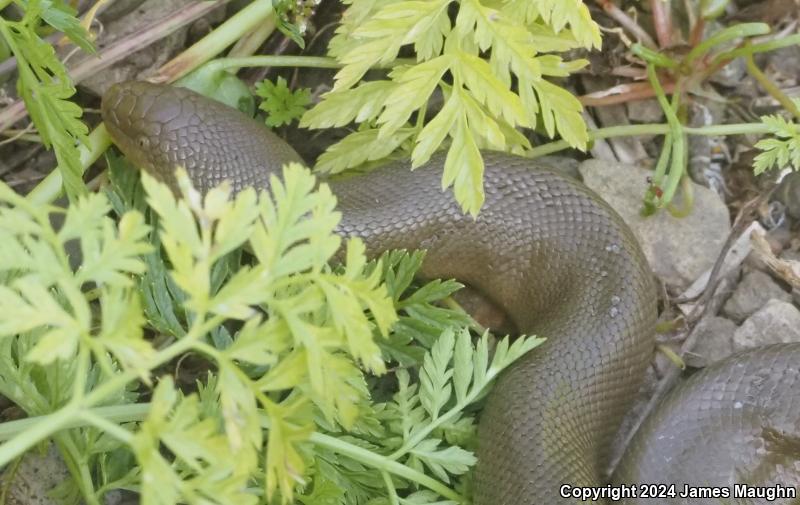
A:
[778,321]
[679,249]
[753,292]
[714,341]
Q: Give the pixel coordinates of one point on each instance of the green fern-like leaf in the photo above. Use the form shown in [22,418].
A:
[782,150]
[176,422]
[472,61]
[281,104]
[46,87]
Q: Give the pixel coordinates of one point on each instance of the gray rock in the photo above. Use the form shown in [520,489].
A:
[645,111]
[714,341]
[755,290]
[776,322]
[36,476]
[731,75]
[788,193]
[702,148]
[791,255]
[783,64]
[678,249]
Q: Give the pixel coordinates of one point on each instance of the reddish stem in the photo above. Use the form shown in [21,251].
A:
[626,22]
[662,21]
[641,91]
[697,32]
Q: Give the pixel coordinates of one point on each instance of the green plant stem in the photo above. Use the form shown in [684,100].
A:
[181,346]
[458,408]
[290,61]
[652,129]
[769,86]
[244,21]
[423,111]
[383,463]
[112,428]
[115,414]
[655,57]
[253,40]
[274,61]
[82,371]
[725,35]
[671,355]
[722,58]
[75,460]
[687,192]
[108,418]
[391,491]
[44,428]
[48,425]
[678,151]
[50,188]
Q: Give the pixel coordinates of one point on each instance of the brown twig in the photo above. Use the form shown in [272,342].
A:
[635,91]
[17,135]
[626,22]
[703,307]
[746,215]
[696,34]
[636,73]
[662,21]
[116,52]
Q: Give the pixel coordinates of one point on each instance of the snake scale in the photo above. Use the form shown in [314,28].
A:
[563,265]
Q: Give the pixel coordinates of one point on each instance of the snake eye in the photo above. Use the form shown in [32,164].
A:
[143,142]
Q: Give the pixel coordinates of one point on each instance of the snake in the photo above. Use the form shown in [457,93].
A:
[563,265]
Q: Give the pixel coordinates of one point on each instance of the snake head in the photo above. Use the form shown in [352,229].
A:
[160,128]
[146,122]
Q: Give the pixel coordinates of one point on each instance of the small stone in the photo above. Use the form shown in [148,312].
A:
[714,341]
[752,293]
[788,193]
[731,75]
[783,64]
[38,473]
[645,111]
[679,249]
[776,322]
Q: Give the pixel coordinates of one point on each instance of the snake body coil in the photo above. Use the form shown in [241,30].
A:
[563,265]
